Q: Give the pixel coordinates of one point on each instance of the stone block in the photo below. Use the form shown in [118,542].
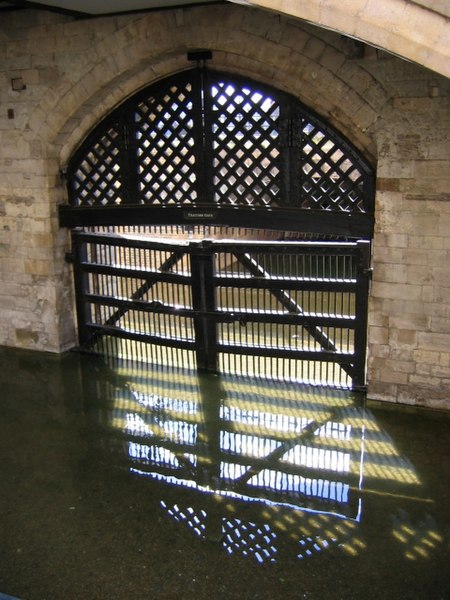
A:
[378,319]
[419,274]
[433,245]
[442,325]
[418,322]
[433,169]
[395,168]
[379,351]
[417,105]
[391,375]
[402,354]
[427,357]
[441,295]
[389,273]
[37,267]
[378,335]
[382,391]
[444,359]
[413,256]
[388,184]
[406,396]
[397,291]
[331,59]
[424,382]
[440,371]
[404,337]
[389,255]
[423,369]
[377,363]
[436,342]
[26,337]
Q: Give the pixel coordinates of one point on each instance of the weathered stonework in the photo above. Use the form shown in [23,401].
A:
[416,29]
[410,293]
[395,112]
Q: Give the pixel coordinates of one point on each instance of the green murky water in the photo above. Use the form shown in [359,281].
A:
[131,481]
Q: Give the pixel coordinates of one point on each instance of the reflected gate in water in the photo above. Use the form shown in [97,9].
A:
[229,443]
[261,467]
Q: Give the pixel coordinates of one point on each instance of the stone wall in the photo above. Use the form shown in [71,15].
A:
[417,30]
[74,72]
[410,304]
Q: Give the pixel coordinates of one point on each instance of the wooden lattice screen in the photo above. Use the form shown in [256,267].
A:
[203,143]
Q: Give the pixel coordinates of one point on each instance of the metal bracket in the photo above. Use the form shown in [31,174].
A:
[198,55]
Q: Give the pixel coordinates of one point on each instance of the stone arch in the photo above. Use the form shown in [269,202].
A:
[142,49]
[416,30]
[262,46]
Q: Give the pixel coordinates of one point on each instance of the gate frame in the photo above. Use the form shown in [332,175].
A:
[203,282]
[296,167]
[303,161]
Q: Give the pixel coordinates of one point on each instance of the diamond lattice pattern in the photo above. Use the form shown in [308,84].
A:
[98,178]
[165,148]
[246,154]
[330,180]
[220,141]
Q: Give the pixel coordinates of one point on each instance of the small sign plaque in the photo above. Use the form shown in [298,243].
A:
[201,215]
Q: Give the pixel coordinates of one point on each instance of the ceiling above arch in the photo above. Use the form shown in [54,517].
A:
[415,30]
[87,8]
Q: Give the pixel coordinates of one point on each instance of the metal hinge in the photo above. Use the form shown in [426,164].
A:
[290,132]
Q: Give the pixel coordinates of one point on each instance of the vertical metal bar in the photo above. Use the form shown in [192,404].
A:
[204,302]
[363,275]
[79,252]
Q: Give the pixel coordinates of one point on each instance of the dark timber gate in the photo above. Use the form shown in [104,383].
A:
[207,149]
[295,311]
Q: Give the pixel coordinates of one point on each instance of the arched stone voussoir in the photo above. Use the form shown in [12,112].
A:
[73,107]
[111,95]
[409,29]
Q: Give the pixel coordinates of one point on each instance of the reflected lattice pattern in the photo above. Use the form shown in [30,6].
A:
[310,546]
[250,539]
[236,536]
[277,451]
[269,441]
[188,516]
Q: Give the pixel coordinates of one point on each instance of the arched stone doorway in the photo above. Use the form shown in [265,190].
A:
[205,154]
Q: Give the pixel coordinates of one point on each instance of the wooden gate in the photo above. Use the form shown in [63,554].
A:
[295,311]
[210,149]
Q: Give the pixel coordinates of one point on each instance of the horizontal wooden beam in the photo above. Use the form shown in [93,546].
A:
[323,222]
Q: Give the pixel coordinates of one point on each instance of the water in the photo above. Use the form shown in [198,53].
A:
[129,481]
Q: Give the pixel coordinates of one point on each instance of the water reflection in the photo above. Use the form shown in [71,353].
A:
[166,485]
[304,458]
[418,539]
